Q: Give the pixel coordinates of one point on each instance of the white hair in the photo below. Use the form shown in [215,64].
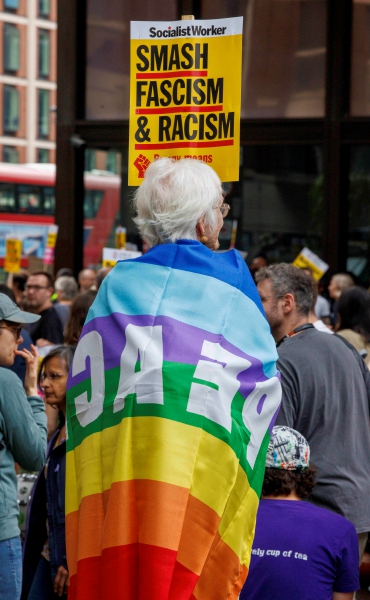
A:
[173,197]
[67,285]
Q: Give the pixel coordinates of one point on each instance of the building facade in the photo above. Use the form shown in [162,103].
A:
[28,43]
[305,127]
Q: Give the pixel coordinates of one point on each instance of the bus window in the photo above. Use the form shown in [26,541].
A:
[49,200]
[7,197]
[92,202]
[29,199]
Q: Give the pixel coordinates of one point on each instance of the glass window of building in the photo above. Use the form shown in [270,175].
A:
[10,154]
[11,4]
[42,155]
[44,8]
[11,48]
[7,197]
[44,54]
[92,202]
[108,52]
[278,202]
[89,159]
[11,109]
[106,206]
[358,252]
[44,114]
[111,164]
[360,59]
[284,51]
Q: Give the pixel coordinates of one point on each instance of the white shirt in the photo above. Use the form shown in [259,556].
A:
[320,326]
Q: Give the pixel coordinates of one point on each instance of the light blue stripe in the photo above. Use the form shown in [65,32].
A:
[198,300]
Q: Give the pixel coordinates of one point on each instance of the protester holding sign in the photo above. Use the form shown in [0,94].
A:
[172,393]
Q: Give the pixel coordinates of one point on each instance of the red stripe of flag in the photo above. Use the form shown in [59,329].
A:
[134,571]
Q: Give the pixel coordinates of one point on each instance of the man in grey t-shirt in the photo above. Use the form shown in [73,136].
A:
[326,395]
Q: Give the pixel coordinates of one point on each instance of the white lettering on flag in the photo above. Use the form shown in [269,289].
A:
[215,404]
[91,345]
[258,412]
[146,345]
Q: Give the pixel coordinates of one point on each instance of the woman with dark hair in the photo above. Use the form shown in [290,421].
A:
[354,319]
[45,572]
[78,313]
[300,551]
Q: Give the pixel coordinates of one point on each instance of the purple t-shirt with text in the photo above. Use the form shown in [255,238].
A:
[301,551]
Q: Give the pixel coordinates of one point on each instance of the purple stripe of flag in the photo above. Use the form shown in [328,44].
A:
[182,343]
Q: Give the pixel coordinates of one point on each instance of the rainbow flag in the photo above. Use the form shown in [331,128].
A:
[172,394]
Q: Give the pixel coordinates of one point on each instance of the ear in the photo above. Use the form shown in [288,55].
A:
[200,228]
[288,303]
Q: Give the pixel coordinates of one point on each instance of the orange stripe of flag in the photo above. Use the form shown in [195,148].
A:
[223,576]
[169,517]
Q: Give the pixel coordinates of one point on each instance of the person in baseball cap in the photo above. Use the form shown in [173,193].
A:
[300,550]
[9,311]
[23,437]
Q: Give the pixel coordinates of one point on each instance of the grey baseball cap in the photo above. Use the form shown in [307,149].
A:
[10,312]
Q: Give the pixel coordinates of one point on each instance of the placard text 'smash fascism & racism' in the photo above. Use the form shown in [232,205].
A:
[185,94]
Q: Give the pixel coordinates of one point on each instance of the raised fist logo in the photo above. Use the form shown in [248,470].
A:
[141,163]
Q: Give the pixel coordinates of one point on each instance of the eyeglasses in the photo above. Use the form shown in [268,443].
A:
[52,376]
[224,209]
[263,298]
[37,288]
[15,330]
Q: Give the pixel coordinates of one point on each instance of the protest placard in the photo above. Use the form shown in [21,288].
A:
[307,259]
[111,256]
[121,237]
[50,245]
[185,93]
[13,255]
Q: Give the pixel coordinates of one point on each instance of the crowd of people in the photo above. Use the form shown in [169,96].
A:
[313,519]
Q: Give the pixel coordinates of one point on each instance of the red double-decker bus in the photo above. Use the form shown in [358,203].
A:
[27,205]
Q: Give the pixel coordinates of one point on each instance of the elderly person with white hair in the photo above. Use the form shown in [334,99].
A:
[172,393]
[180,200]
[66,288]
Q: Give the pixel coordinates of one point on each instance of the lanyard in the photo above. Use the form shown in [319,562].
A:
[296,330]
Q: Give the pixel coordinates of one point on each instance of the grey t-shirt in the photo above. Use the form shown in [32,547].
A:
[326,397]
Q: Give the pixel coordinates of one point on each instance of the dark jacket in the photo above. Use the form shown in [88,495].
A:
[47,501]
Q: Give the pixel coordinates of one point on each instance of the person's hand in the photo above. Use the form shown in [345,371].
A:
[32,363]
[61,581]
[42,342]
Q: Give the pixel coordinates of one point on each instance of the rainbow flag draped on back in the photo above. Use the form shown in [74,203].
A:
[172,393]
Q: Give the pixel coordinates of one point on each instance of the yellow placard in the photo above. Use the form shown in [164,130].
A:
[185,94]
[13,255]
[50,245]
[112,255]
[306,259]
[51,240]
[109,263]
[120,239]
